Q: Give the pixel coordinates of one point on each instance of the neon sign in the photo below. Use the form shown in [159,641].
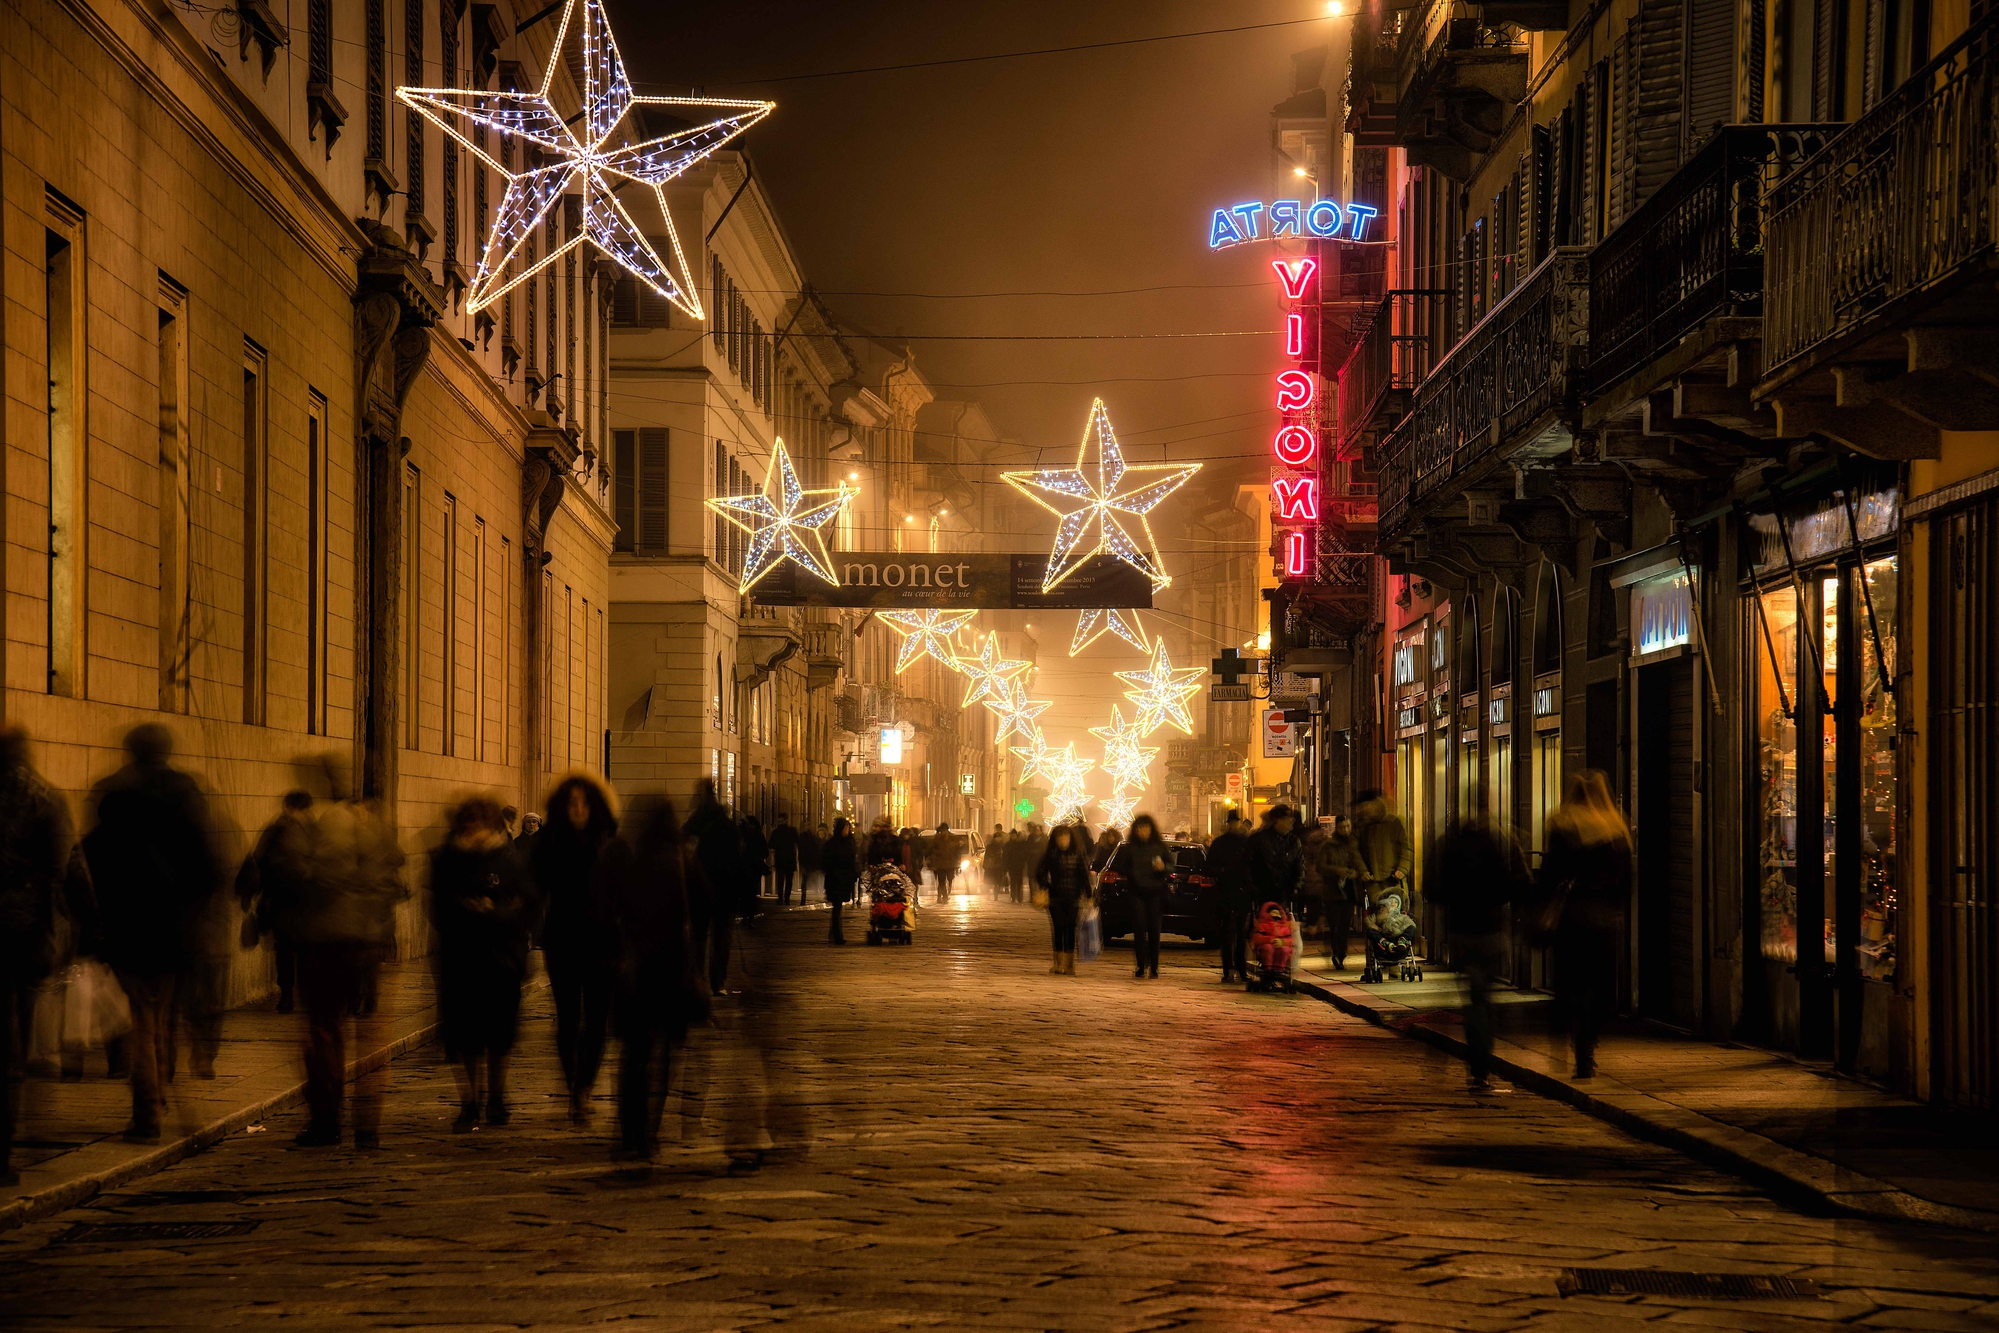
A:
[1294,391]
[1295,555]
[1321,219]
[1295,446]
[1297,498]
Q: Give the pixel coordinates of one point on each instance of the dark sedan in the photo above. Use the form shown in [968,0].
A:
[1193,908]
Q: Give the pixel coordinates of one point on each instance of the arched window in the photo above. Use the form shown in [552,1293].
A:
[1467,669]
[1505,620]
[1548,621]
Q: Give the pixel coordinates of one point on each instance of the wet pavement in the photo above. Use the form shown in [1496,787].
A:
[947,1137]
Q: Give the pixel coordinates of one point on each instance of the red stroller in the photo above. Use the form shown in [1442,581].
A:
[1272,942]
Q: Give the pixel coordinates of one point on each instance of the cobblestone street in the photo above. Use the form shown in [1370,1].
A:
[956,1139]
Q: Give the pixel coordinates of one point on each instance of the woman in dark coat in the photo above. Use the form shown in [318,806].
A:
[660,989]
[481,905]
[840,863]
[576,856]
[1064,872]
[1146,863]
[1587,865]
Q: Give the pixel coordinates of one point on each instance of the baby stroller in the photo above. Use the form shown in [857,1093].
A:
[891,917]
[1272,942]
[1391,943]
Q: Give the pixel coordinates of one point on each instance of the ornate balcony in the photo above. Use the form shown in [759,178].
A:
[1508,391]
[1387,363]
[1878,307]
[1460,79]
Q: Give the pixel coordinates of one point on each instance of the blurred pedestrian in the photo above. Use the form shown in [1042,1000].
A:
[1228,867]
[839,861]
[1340,874]
[1105,849]
[1064,873]
[481,901]
[1016,863]
[1386,856]
[992,861]
[811,845]
[784,859]
[660,991]
[756,864]
[1480,870]
[1276,860]
[35,844]
[576,858]
[1586,870]
[946,850]
[1146,863]
[718,847]
[272,884]
[1037,847]
[511,815]
[154,865]
[344,928]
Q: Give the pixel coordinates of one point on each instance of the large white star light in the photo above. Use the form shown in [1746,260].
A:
[1161,692]
[925,633]
[785,526]
[1125,760]
[1094,623]
[590,154]
[1036,756]
[1017,712]
[1088,497]
[1118,809]
[990,672]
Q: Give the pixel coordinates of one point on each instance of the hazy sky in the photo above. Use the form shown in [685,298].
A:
[1090,171]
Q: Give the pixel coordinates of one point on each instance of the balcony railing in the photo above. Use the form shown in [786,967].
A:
[1902,200]
[1693,251]
[1516,365]
[1393,352]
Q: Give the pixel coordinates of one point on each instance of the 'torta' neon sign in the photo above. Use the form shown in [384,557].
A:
[1322,219]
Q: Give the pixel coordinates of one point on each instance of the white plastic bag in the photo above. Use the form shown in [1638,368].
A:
[95,1009]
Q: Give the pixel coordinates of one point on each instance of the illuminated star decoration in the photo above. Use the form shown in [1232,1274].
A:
[1035,757]
[925,634]
[1092,625]
[786,526]
[989,672]
[1118,808]
[1125,760]
[1017,712]
[586,155]
[1067,799]
[1161,692]
[1089,497]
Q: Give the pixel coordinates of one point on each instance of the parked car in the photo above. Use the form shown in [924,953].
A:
[1193,908]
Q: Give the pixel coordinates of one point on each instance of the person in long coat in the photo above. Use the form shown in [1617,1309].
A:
[482,902]
[35,842]
[1064,872]
[840,862]
[1228,867]
[1146,863]
[576,858]
[660,990]
[784,850]
[718,847]
[1587,865]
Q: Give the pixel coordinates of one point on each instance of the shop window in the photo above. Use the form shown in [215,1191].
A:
[1777,770]
[1878,788]
[1548,621]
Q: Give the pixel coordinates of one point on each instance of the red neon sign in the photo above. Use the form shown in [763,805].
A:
[1295,446]
[1297,497]
[1295,275]
[1294,391]
[1294,334]
[1294,555]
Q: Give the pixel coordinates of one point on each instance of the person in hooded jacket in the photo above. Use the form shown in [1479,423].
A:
[884,845]
[576,859]
[1277,860]
[1228,867]
[718,848]
[1064,873]
[1146,863]
[1016,863]
[273,882]
[482,902]
[839,861]
[1587,866]
[660,991]
[784,850]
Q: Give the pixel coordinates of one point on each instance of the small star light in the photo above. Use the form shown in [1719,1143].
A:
[1017,712]
[1035,756]
[1089,497]
[579,155]
[925,634]
[1092,625]
[1067,804]
[1068,769]
[989,672]
[786,526]
[1125,760]
[1118,808]
[1161,692]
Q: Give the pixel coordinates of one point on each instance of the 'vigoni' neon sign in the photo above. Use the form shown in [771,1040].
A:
[1322,219]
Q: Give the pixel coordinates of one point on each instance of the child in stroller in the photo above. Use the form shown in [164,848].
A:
[891,918]
[1391,941]
[1272,943]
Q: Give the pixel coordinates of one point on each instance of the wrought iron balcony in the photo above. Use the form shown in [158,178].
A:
[1898,212]
[1505,388]
[1460,79]
[1387,363]
[1693,251]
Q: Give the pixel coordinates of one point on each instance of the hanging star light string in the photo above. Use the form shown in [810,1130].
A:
[1094,623]
[1068,798]
[1161,692]
[1035,757]
[785,527]
[1088,498]
[1125,760]
[582,157]
[926,633]
[1016,712]
[1118,809]
[989,672]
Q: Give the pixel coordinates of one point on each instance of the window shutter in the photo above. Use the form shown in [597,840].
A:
[719,487]
[623,479]
[1660,94]
[625,301]
[1538,179]
[715,302]
[735,533]
[1591,98]
[1619,142]
[1461,284]
[1825,38]
[1710,68]
[651,488]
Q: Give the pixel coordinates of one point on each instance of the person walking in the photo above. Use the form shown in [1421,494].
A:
[784,858]
[946,850]
[577,857]
[839,863]
[1480,869]
[992,861]
[1228,867]
[1277,860]
[482,900]
[1037,847]
[1064,874]
[660,991]
[35,846]
[1106,848]
[1340,872]
[718,847]
[756,865]
[153,863]
[1586,869]
[272,885]
[1146,863]
[1014,858]
[1385,854]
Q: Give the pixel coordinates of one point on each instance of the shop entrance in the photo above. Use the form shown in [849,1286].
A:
[1668,844]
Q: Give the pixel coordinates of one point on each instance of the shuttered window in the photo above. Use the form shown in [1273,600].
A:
[1658,96]
[640,483]
[719,486]
[1710,69]
[634,305]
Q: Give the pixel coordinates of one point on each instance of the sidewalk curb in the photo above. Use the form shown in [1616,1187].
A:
[1783,1171]
[69,1193]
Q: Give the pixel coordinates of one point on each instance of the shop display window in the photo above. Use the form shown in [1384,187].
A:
[1878,787]
[1777,762]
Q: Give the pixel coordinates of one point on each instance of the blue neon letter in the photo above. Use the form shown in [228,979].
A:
[1284,216]
[1323,218]
[1361,215]
[1248,214]
[1222,230]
